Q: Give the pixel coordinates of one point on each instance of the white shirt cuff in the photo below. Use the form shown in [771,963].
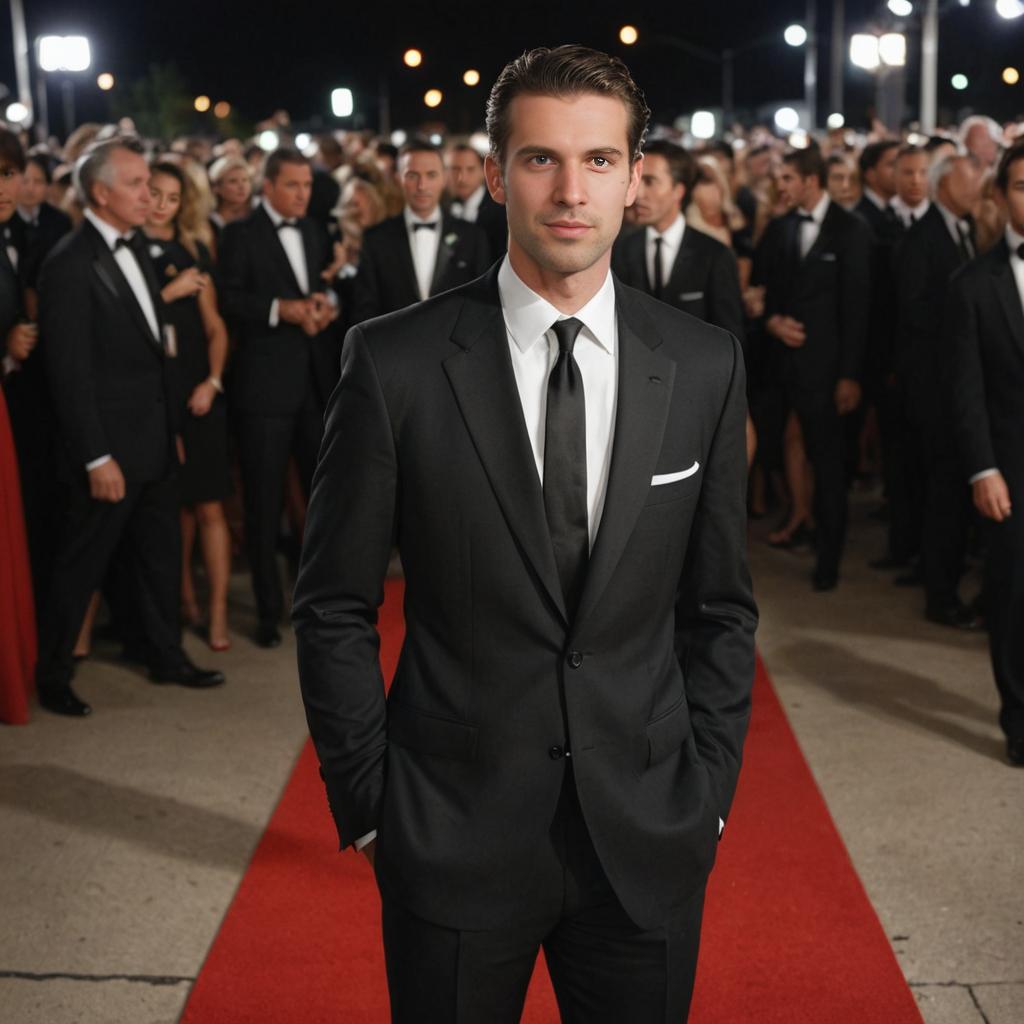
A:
[11,365]
[96,463]
[981,476]
[721,827]
[275,313]
[364,841]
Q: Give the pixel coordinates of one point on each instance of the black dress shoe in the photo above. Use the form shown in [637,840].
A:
[823,580]
[187,674]
[267,635]
[1015,752]
[64,702]
[955,616]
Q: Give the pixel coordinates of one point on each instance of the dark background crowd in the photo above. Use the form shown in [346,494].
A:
[172,313]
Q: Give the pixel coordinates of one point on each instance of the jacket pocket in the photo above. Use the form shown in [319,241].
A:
[431,734]
[665,734]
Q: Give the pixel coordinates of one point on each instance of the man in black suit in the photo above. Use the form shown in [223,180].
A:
[561,461]
[987,333]
[926,257]
[110,377]
[815,264]
[39,226]
[286,362]
[422,251]
[679,265]
[470,199]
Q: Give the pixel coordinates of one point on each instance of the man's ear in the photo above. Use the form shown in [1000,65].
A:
[636,170]
[494,179]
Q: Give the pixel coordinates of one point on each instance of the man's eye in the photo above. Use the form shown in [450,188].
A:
[601,161]
[540,158]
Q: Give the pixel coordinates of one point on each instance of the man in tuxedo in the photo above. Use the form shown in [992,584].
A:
[911,201]
[39,226]
[679,265]
[110,377]
[285,366]
[470,199]
[815,265]
[420,252]
[934,247]
[987,334]
[561,461]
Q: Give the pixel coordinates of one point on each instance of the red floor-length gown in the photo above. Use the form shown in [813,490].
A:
[17,612]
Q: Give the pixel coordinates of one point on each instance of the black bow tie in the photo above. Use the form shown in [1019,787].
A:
[420,224]
[804,218]
[288,224]
[126,242]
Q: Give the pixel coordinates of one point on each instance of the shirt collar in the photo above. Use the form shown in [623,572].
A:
[29,213]
[673,234]
[953,222]
[874,198]
[411,218]
[528,316]
[1014,240]
[108,231]
[820,209]
[475,199]
[275,218]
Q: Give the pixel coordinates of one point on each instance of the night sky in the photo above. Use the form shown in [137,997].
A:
[263,55]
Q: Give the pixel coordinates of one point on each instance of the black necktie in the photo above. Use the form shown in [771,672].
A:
[1020,250]
[964,243]
[565,465]
[658,281]
[288,224]
[419,224]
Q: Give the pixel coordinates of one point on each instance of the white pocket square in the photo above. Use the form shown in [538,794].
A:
[690,296]
[828,257]
[671,478]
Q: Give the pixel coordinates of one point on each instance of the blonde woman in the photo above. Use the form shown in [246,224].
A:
[231,181]
[178,234]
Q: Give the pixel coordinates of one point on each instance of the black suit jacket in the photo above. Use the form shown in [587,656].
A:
[886,231]
[986,329]
[426,445]
[828,291]
[387,275]
[493,221]
[704,280]
[273,369]
[113,389]
[35,243]
[924,260]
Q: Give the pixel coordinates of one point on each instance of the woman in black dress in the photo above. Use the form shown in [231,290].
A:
[178,240]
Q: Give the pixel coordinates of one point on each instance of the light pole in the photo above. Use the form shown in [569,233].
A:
[929,66]
[59,53]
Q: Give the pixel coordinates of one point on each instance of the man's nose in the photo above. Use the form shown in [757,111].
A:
[569,189]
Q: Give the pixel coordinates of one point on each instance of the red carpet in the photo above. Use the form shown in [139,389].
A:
[789,938]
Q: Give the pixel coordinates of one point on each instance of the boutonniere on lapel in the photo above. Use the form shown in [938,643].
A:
[450,239]
[156,250]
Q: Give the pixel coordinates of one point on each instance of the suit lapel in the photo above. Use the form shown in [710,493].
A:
[646,380]
[1009,296]
[113,278]
[445,252]
[681,265]
[309,249]
[481,376]
[272,240]
[824,233]
[403,254]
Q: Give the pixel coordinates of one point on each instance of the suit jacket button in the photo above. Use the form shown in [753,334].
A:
[575,659]
[555,753]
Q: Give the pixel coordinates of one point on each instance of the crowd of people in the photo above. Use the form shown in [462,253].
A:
[172,316]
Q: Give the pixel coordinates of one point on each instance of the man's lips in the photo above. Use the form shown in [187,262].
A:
[568,228]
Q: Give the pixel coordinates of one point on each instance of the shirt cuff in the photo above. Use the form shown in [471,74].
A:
[981,476]
[364,841]
[275,313]
[11,365]
[96,463]
[721,827]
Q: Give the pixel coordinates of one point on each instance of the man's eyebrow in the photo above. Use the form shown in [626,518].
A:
[531,150]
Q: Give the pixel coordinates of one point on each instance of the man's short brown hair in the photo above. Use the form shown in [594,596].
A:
[281,156]
[682,167]
[808,163]
[564,71]
[12,156]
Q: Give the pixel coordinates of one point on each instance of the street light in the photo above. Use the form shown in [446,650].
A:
[1009,9]
[787,119]
[222,109]
[795,35]
[901,8]
[412,58]
[959,82]
[17,113]
[628,35]
[268,140]
[342,102]
[105,81]
[835,121]
[433,97]
[1011,76]
[892,49]
[64,53]
[471,77]
[202,104]
[702,124]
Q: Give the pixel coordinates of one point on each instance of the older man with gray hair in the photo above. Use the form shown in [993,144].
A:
[109,365]
[931,251]
[982,138]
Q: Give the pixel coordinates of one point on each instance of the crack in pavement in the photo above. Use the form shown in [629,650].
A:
[144,979]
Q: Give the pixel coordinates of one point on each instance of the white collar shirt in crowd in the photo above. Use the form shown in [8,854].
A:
[291,242]
[909,215]
[671,240]
[469,209]
[424,244]
[534,350]
[9,247]
[875,199]
[29,214]
[125,259]
[810,229]
[959,229]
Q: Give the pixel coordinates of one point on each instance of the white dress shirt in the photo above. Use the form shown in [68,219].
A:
[291,242]
[875,199]
[129,265]
[958,228]
[469,209]
[1014,241]
[671,240]
[810,229]
[423,244]
[909,215]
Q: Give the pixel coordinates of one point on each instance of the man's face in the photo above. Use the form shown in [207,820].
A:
[33,187]
[566,178]
[882,177]
[759,166]
[422,178]
[980,144]
[912,178]
[961,188]
[234,187]
[465,173]
[658,197]
[1014,196]
[792,188]
[289,192]
[125,202]
[842,184]
[10,186]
